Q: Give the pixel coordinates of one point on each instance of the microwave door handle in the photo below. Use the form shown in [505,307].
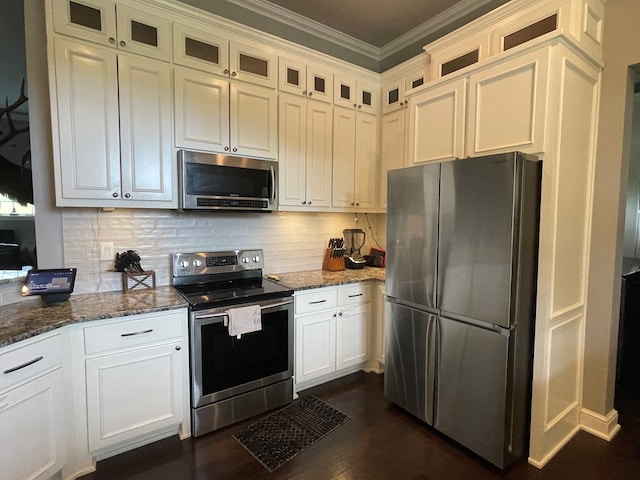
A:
[273,183]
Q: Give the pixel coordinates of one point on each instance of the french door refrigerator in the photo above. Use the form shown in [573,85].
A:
[462,241]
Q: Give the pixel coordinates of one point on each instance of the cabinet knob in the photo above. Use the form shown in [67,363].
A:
[352,204]
[122,43]
[310,93]
[309,202]
[357,204]
[304,202]
[178,347]
[127,195]
[226,149]
[355,105]
[112,40]
[304,92]
[226,71]
[340,313]
[235,149]
[233,74]
[359,107]
[335,314]
[114,194]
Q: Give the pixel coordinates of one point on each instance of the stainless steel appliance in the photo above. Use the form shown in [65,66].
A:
[234,377]
[461,272]
[221,182]
[353,241]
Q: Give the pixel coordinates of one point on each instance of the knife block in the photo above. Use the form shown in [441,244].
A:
[332,264]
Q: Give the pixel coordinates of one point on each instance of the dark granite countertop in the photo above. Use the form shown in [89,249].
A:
[22,320]
[321,278]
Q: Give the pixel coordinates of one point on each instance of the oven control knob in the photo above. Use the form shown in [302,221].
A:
[256,258]
[245,259]
[197,263]
[184,263]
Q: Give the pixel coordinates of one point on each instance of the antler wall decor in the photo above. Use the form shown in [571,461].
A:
[15,180]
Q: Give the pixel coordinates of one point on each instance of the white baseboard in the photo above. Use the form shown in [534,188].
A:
[605,427]
[544,460]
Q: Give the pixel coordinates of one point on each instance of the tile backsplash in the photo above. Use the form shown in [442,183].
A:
[291,241]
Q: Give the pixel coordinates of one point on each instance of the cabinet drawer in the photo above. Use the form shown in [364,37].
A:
[132,332]
[315,300]
[21,363]
[352,294]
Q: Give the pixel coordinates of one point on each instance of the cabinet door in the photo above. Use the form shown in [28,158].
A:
[393,148]
[506,106]
[344,148]
[436,123]
[367,97]
[393,96]
[201,111]
[148,381]
[292,76]
[33,425]
[352,335]
[292,150]
[87,162]
[252,65]
[366,161]
[145,128]
[315,346]
[200,49]
[93,20]
[319,83]
[143,33]
[254,124]
[344,92]
[319,145]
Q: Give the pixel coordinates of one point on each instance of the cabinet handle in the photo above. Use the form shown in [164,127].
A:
[352,204]
[335,314]
[25,364]
[127,195]
[355,295]
[235,149]
[304,92]
[315,302]
[309,202]
[233,74]
[359,107]
[114,194]
[226,71]
[355,105]
[131,334]
[310,93]
[112,40]
[178,347]
[340,313]
[357,204]
[226,149]
[304,202]
[122,43]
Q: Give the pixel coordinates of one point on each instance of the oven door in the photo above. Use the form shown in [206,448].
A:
[223,366]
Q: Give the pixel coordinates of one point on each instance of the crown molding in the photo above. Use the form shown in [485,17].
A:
[295,20]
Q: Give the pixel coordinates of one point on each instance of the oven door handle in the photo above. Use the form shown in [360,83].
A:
[225,314]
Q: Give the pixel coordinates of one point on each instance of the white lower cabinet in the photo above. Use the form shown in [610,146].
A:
[135,377]
[32,442]
[332,331]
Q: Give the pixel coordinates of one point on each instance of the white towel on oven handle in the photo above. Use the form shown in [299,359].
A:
[244,320]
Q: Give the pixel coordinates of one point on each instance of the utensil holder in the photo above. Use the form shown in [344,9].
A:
[139,281]
[332,264]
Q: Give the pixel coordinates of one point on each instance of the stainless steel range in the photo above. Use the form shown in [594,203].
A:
[234,377]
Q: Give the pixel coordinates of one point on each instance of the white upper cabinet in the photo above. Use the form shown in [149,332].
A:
[393,148]
[305,141]
[351,93]
[113,139]
[204,49]
[120,26]
[215,115]
[395,92]
[308,80]
[437,122]
[355,159]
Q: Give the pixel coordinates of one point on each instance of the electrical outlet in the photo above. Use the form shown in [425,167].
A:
[106,251]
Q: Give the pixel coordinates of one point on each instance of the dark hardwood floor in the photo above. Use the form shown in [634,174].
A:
[380,441]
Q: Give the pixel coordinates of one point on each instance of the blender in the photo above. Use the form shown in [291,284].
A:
[353,242]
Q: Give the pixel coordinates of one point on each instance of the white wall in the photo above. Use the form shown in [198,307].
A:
[621,39]
[291,241]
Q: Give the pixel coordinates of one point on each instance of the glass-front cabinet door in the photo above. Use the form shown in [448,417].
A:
[295,76]
[122,27]
[200,49]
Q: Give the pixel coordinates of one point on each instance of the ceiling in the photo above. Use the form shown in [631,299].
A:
[375,34]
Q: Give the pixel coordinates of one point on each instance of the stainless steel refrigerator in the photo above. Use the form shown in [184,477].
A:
[462,240]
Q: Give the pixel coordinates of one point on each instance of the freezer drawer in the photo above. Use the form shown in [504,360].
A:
[409,375]
[472,388]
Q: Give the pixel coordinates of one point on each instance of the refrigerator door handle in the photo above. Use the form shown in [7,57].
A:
[433,356]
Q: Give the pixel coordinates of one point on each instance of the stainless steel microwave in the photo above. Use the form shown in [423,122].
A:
[221,182]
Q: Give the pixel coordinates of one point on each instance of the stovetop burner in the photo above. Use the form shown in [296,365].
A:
[210,279]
